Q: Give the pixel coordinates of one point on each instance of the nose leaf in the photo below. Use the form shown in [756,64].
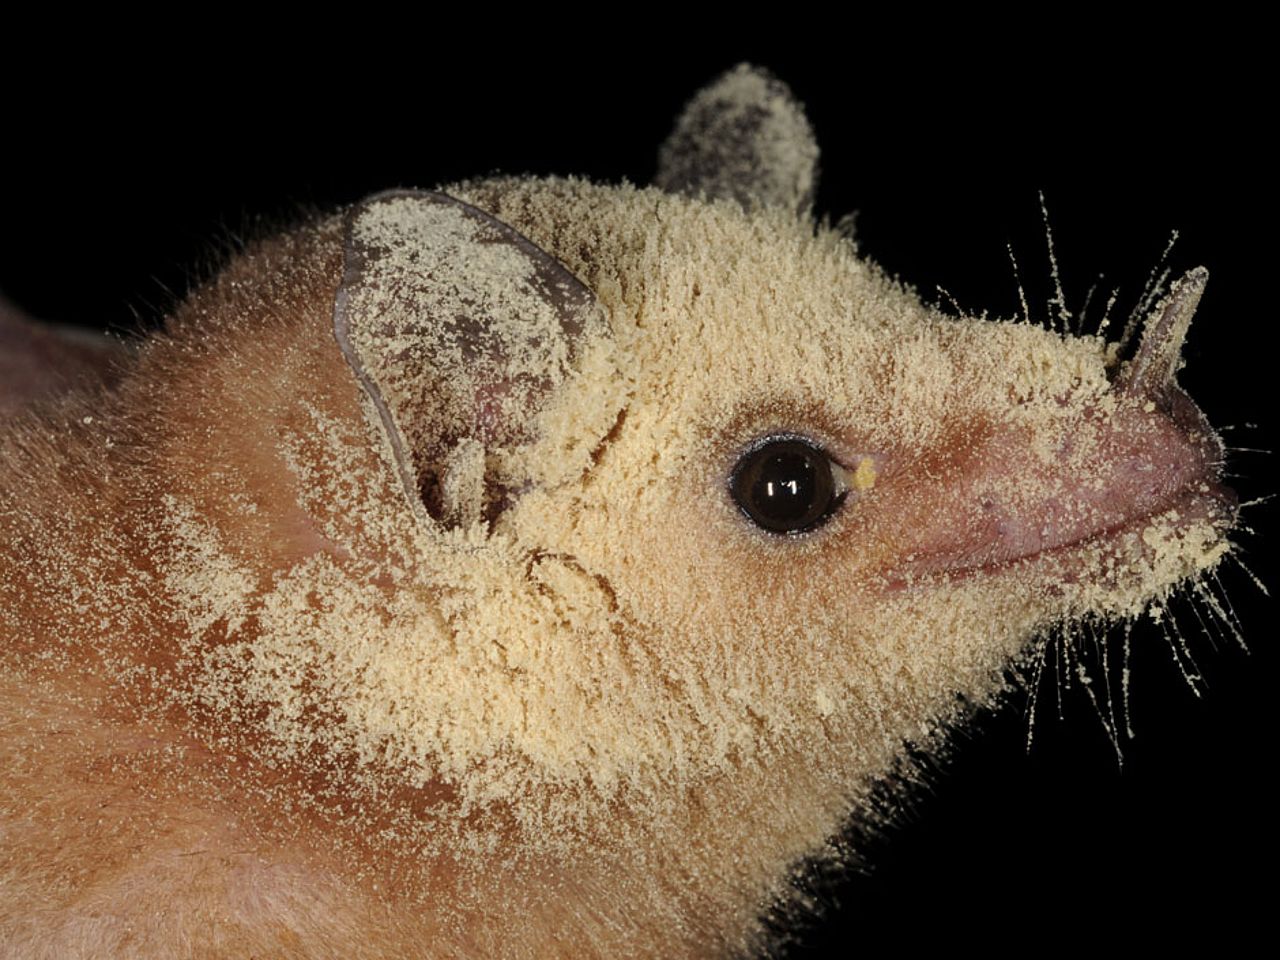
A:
[1151,371]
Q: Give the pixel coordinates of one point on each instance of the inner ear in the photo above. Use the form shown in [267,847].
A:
[462,333]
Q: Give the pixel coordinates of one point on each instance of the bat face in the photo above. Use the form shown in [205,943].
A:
[622,630]
[764,517]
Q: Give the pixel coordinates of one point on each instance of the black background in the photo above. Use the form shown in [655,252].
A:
[123,178]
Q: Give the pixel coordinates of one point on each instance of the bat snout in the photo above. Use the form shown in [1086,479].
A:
[1020,497]
[1143,450]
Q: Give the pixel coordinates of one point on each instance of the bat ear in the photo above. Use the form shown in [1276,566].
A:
[746,138]
[38,361]
[465,336]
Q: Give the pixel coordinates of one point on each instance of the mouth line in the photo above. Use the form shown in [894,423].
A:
[1209,501]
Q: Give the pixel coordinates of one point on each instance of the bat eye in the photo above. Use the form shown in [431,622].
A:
[786,484]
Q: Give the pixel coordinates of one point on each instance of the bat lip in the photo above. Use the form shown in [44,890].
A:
[1205,500]
[1138,470]
[1211,502]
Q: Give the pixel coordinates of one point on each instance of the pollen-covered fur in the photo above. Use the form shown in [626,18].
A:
[323,667]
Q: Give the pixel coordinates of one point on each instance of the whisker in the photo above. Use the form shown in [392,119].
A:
[1141,310]
[1106,311]
[1108,719]
[1178,647]
[1062,670]
[1059,302]
[1214,636]
[951,300]
[1257,581]
[1124,679]
[1217,614]
[1151,292]
[1022,293]
[1255,502]
[1041,644]
[1088,299]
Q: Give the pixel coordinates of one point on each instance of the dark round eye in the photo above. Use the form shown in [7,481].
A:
[785,485]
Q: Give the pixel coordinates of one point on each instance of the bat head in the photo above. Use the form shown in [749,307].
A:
[599,498]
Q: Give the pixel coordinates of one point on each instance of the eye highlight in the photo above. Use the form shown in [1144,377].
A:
[787,484]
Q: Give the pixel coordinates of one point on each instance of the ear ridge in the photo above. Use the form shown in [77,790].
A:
[459,330]
[743,137]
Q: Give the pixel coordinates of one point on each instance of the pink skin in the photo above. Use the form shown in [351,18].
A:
[1145,465]
[1154,453]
